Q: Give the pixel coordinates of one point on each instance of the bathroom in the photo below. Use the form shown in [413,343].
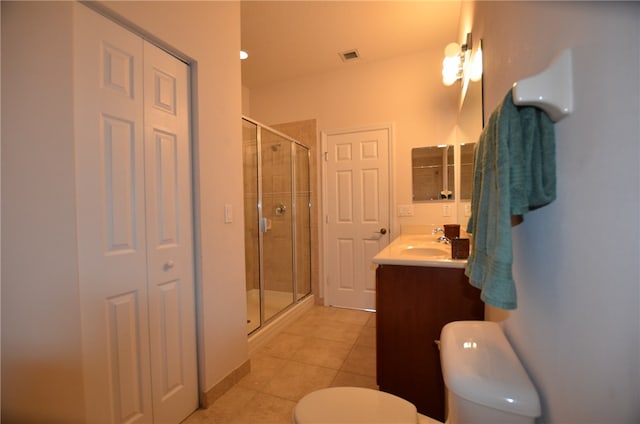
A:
[577,324]
[572,290]
[555,290]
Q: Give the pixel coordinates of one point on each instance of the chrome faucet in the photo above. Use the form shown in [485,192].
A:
[442,238]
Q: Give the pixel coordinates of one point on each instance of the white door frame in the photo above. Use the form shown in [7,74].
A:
[325,206]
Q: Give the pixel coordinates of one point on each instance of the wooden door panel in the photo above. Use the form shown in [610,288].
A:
[110,208]
[358,207]
[169,236]
[127,373]
[120,189]
[344,197]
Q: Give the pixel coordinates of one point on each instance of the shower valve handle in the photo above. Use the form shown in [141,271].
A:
[281,209]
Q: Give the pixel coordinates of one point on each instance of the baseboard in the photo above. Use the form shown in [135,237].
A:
[210,396]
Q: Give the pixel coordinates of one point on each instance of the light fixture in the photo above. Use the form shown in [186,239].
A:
[243,55]
[475,72]
[455,58]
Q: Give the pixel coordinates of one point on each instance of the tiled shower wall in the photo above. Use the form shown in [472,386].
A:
[276,192]
[306,133]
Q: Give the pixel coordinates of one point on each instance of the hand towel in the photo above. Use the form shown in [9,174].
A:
[514,172]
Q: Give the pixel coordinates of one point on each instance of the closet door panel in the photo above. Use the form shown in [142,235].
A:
[134,226]
[169,236]
[124,351]
[110,206]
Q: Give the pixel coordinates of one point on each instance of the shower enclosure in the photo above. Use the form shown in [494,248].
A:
[277,202]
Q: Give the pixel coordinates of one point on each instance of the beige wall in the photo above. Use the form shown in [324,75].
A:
[577,326]
[40,317]
[405,91]
[41,346]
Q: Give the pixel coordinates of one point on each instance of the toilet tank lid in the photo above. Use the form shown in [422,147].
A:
[479,365]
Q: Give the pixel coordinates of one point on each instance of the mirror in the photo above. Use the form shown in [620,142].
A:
[466,170]
[433,167]
[470,124]
[432,171]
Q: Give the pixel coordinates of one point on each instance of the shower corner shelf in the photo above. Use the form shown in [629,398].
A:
[551,90]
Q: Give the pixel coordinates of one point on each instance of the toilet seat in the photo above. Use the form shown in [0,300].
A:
[353,405]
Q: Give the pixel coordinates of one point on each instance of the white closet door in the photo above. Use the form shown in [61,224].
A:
[112,258]
[134,227]
[169,236]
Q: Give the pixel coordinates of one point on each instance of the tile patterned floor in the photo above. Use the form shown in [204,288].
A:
[325,347]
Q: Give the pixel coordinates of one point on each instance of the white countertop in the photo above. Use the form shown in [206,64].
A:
[418,250]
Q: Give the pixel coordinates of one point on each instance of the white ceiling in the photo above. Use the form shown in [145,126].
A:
[290,39]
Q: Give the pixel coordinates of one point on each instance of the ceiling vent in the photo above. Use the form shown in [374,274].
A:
[350,55]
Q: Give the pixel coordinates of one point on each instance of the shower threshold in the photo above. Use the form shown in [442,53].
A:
[272,327]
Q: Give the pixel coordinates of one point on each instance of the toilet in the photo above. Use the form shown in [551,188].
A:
[484,382]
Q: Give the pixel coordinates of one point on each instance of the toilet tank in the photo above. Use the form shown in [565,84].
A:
[485,381]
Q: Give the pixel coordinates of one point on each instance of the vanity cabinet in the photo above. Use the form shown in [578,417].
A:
[413,303]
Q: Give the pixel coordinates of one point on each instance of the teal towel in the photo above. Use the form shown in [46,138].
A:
[514,172]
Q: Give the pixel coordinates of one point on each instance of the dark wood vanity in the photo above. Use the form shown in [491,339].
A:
[413,303]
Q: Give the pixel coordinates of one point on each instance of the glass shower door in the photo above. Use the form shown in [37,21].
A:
[251,224]
[302,222]
[277,202]
[276,221]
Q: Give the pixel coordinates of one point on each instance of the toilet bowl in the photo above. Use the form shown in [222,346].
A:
[355,405]
[485,383]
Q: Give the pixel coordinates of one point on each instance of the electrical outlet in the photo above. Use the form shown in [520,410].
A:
[446,210]
[405,210]
[467,209]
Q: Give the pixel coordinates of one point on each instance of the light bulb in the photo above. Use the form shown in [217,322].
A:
[451,64]
[452,49]
[449,78]
[476,66]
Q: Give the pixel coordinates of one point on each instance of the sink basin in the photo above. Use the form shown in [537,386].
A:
[432,252]
[418,250]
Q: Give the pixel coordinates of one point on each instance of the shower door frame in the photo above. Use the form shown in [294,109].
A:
[295,298]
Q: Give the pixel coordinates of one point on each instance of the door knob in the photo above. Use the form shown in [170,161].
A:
[168,265]
[383,231]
